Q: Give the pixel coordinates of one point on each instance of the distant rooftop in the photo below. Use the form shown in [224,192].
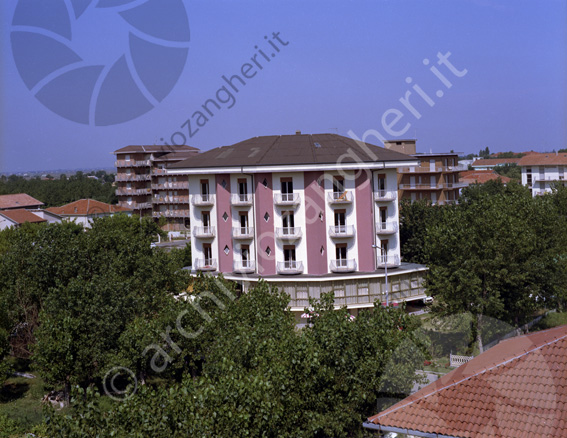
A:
[19,200]
[155,148]
[84,207]
[20,216]
[549,159]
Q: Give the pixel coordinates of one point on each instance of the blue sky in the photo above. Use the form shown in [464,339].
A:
[343,67]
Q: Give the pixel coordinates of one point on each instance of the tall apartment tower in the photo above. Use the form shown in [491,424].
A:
[143,185]
[308,213]
[435,178]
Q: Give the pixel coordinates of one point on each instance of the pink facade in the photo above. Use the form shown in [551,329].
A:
[316,229]
[364,221]
[224,228]
[264,202]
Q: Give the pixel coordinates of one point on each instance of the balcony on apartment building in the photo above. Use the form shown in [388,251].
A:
[388,261]
[288,233]
[289,267]
[455,185]
[202,264]
[457,168]
[204,232]
[172,213]
[159,171]
[243,232]
[286,199]
[128,191]
[120,177]
[170,199]
[203,200]
[446,202]
[244,266]
[421,169]
[137,205]
[173,185]
[337,198]
[385,195]
[343,265]
[388,227]
[421,186]
[132,163]
[343,231]
[243,199]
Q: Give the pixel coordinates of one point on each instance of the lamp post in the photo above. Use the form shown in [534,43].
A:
[385,258]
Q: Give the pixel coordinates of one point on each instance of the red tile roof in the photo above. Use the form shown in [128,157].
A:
[516,389]
[481,176]
[495,161]
[19,216]
[19,200]
[550,159]
[84,207]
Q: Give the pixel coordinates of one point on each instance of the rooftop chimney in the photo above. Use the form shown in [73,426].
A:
[297,132]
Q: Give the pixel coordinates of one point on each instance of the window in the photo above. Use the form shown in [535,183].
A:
[287,189]
[340,221]
[341,254]
[243,222]
[205,189]
[381,183]
[384,251]
[289,257]
[208,253]
[288,222]
[242,190]
[206,219]
[529,176]
[245,254]
[383,215]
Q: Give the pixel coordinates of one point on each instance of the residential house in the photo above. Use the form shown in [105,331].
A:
[84,211]
[541,172]
[308,213]
[469,177]
[491,163]
[516,389]
[18,201]
[435,177]
[17,216]
[144,187]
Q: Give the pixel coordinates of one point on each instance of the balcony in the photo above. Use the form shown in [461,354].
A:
[125,191]
[421,186]
[243,232]
[388,227]
[288,233]
[458,168]
[421,169]
[203,200]
[385,195]
[205,264]
[171,199]
[132,177]
[455,185]
[137,205]
[244,199]
[244,267]
[287,199]
[340,197]
[290,267]
[171,213]
[388,261]
[132,163]
[173,185]
[343,265]
[204,232]
[339,231]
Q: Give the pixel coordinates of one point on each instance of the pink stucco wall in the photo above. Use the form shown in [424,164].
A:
[315,229]
[224,229]
[264,203]
[364,226]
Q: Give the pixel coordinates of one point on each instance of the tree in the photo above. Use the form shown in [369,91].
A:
[511,170]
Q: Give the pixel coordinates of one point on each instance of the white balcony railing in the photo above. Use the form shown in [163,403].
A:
[421,169]
[421,186]
[203,200]
[204,232]
[172,213]
[388,227]
[171,185]
[287,199]
[385,195]
[458,168]
[244,266]
[340,197]
[241,199]
[343,265]
[388,261]
[455,185]
[341,231]
[205,264]
[290,267]
[137,205]
[125,191]
[132,177]
[132,163]
[171,199]
[288,233]
[243,232]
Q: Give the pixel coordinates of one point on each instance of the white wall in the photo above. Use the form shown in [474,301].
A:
[393,211]
[196,221]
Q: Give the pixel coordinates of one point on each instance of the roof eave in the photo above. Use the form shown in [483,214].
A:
[381,428]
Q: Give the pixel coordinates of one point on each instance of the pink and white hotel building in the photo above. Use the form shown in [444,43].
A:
[308,213]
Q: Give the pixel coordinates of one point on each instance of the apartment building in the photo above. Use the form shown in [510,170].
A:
[308,213]
[541,172]
[143,186]
[435,177]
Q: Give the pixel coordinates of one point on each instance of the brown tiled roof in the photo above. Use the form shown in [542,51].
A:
[516,389]
[550,159]
[154,148]
[19,200]
[21,215]
[481,176]
[495,161]
[85,207]
[296,149]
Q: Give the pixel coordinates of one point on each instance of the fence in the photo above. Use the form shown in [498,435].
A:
[456,361]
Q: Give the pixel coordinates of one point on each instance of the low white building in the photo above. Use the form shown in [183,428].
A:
[541,172]
[84,210]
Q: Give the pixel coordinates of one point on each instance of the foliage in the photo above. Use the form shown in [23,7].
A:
[415,218]
[8,427]
[511,170]
[551,320]
[61,191]
[249,372]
